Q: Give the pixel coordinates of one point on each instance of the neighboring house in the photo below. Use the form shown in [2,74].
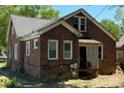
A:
[74,43]
[120,50]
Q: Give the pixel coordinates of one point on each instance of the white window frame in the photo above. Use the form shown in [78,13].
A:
[28,48]
[56,58]
[118,53]
[79,23]
[34,45]
[101,52]
[71,50]
[15,51]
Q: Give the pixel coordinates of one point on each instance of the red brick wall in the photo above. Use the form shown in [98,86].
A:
[108,64]
[32,62]
[59,33]
[12,39]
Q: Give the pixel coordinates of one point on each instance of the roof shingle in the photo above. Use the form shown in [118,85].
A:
[26,25]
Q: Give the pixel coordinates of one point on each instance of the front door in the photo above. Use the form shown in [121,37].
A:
[83,57]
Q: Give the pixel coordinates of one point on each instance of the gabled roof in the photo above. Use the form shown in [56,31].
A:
[48,27]
[92,20]
[120,42]
[26,25]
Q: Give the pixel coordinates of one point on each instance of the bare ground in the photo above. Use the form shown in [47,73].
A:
[102,81]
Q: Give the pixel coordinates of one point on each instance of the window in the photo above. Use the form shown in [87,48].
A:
[100,52]
[12,30]
[76,23]
[53,49]
[35,45]
[120,55]
[80,23]
[15,51]
[27,48]
[67,50]
[9,51]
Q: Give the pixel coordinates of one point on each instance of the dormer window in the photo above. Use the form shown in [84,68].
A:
[80,23]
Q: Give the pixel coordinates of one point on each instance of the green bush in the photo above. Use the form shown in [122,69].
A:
[12,83]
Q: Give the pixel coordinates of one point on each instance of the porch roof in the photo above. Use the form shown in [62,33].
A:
[89,41]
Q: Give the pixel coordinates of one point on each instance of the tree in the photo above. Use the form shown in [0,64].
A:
[5,12]
[119,15]
[112,27]
[46,12]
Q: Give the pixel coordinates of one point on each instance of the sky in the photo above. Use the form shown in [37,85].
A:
[93,10]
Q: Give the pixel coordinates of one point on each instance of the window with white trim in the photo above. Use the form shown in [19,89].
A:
[52,49]
[35,44]
[27,48]
[80,23]
[68,49]
[119,55]
[15,51]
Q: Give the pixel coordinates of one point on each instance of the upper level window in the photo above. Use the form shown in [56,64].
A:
[27,48]
[35,45]
[76,23]
[67,50]
[53,49]
[80,23]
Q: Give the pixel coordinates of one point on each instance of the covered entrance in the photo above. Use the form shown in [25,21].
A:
[90,51]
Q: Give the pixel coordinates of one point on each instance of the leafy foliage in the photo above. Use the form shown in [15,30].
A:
[119,15]
[37,11]
[112,27]
[9,83]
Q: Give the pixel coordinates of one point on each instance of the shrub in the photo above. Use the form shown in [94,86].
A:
[12,83]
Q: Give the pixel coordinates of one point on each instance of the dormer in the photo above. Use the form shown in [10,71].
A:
[80,23]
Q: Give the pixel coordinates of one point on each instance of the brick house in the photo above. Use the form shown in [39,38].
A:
[74,43]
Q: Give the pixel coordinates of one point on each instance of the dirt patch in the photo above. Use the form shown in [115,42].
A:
[102,81]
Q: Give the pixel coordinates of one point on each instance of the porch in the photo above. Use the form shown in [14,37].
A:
[90,51]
